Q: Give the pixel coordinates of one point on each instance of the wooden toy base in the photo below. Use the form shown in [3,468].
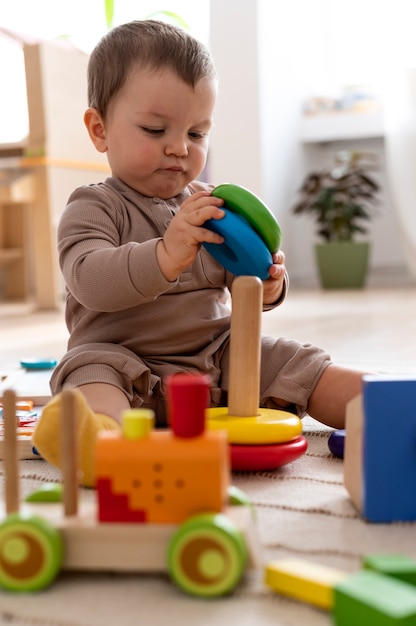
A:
[92,546]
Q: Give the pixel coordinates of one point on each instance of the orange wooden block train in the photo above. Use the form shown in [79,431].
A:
[163,503]
[155,476]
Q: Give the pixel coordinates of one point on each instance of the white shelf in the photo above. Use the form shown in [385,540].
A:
[341,126]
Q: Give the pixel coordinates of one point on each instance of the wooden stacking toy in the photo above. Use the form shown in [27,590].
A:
[260,438]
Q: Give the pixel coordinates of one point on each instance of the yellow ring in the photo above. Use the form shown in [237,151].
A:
[268,427]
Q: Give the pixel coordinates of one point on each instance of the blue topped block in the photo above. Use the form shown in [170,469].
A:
[389,449]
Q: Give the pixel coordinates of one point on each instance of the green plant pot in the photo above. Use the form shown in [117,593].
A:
[342,264]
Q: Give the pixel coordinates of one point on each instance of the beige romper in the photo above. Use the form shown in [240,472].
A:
[130,327]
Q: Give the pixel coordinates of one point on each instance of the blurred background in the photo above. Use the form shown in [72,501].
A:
[300,81]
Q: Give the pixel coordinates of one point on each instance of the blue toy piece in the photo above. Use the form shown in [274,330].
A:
[336,443]
[380,450]
[38,364]
[245,203]
[243,252]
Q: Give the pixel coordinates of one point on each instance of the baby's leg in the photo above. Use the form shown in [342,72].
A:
[334,389]
[105,399]
[98,407]
[303,376]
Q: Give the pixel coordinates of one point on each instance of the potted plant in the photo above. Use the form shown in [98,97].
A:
[341,200]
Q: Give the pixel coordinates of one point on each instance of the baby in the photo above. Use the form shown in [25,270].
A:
[144,299]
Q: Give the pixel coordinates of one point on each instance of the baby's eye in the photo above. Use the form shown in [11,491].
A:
[196,135]
[152,131]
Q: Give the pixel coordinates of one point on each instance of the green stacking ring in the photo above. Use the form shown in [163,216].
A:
[257,214]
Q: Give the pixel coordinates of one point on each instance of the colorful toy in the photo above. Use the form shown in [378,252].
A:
[26,419]
[250,230]
[380,453]
[263,457]
[32,390]
[249,206]
[250,427]
[397,566]
[336,442]
[243,251]
[367,597]
[163,502]
[38,364]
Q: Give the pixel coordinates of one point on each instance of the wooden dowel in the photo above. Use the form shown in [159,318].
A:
[245,346]
[11,462]
[69,452]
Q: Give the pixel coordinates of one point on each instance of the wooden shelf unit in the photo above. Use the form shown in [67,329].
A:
[37,177]
[14,271]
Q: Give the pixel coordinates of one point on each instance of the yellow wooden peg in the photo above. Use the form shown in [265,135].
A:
[137,423]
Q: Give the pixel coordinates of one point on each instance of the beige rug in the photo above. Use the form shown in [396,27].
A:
[303,511]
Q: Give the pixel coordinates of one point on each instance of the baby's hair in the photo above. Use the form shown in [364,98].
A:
[148,44]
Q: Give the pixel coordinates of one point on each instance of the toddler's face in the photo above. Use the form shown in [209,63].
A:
[156,131]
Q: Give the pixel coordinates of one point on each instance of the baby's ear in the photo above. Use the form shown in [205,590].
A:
[95,127]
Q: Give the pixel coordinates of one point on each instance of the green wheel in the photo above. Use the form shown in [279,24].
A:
[257,214]
[207,555]
[30,553]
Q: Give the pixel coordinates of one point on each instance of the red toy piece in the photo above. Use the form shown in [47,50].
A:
[266,457]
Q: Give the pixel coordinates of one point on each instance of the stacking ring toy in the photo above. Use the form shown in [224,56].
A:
[258,215]
[259,438]
[243,252]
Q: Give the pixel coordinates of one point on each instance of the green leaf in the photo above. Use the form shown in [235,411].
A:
[109,12]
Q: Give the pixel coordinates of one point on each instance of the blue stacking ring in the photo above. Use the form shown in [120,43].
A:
[243,252]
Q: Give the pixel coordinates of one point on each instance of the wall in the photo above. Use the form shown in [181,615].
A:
[270,56]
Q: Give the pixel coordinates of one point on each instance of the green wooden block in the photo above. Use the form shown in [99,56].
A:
[398,566]
[371,599]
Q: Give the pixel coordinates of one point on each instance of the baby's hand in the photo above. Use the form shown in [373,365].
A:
[273,286]
[184,235]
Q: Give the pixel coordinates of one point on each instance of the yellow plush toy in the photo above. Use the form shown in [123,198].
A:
[47,435]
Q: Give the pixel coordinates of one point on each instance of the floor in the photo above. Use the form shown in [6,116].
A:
[373,327]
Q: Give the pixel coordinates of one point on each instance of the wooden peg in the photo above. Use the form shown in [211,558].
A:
[69,452]
[245,346]
[10,453]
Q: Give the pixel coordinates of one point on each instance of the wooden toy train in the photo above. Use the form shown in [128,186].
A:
[163,503]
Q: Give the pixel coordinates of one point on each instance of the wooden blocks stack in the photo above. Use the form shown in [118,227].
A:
[375,596]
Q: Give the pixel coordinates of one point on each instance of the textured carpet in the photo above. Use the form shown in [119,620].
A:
[303,510]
